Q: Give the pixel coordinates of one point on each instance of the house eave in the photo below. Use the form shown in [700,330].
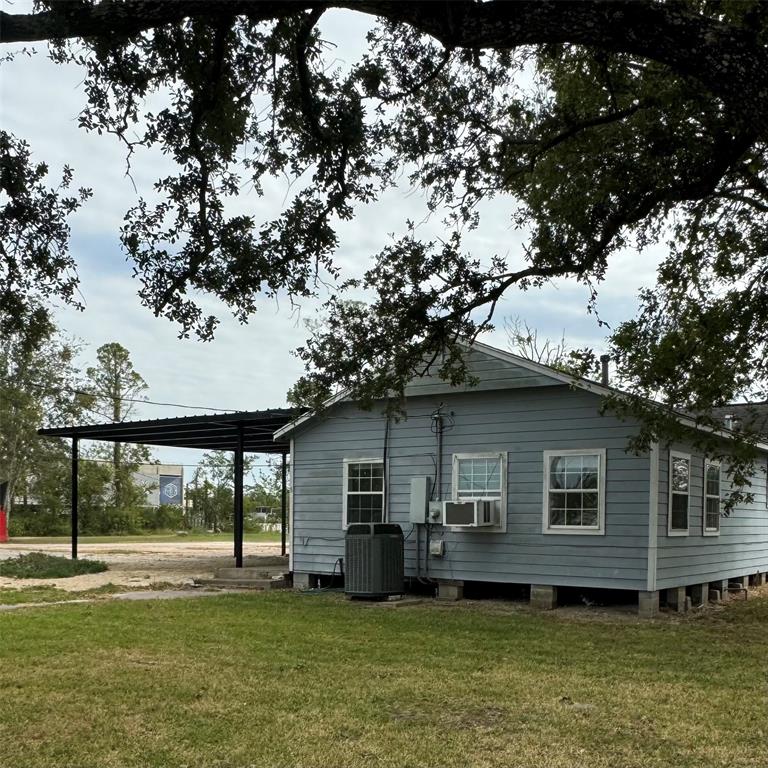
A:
[544,370]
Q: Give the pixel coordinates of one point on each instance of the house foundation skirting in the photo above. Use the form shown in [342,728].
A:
[545,596]
[450,590]
[647,604]
[304,580]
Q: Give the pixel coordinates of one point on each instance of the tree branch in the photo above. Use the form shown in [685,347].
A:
[715,53]
[113,18]
[573,130]
[446,57]
[201,103]
[308,106]
[728,59]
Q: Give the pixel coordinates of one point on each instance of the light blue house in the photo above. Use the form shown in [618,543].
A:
[534,485]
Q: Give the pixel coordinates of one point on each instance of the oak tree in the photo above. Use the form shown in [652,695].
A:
[607,126]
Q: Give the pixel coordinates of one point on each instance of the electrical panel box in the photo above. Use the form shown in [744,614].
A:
[420,490]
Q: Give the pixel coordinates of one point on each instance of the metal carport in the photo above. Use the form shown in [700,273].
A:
[241,432]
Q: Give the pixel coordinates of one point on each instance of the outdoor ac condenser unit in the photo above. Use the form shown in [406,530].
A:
[477,513]
[373,560]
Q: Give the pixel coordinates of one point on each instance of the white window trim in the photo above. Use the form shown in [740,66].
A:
[345,486]
[573,530]
[679,531]
[502,457]
[704,530]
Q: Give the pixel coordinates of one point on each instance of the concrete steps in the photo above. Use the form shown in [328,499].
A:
[268,562]
[262,585]
[266,576]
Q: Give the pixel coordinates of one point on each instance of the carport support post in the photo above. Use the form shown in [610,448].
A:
[283,498]
[239,498]
[75,502]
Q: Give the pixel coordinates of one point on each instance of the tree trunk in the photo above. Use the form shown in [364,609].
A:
[116,457]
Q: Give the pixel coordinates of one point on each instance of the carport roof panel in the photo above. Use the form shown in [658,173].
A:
[208,432]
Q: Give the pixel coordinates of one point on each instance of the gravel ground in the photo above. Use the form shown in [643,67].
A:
[139,564]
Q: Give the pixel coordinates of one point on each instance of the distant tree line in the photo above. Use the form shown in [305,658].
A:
[210,494]
[42,384]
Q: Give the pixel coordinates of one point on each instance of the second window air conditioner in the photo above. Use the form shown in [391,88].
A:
[475,513]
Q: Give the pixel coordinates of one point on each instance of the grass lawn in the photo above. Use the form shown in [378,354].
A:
[294,680]
[149,538]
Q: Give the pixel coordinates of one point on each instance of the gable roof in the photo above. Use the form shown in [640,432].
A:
[542,372]
[588,385]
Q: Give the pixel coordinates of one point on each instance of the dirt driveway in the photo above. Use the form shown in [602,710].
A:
[139,564]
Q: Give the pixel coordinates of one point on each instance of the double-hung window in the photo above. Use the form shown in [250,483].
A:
[574,491]
[478,476]
[482,478]
[679,493]
[711,498]
[363,491]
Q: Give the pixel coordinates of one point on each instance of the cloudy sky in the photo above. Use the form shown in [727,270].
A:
[251,366]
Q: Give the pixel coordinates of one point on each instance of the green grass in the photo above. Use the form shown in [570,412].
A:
[37,565]
[290,680]
[267,536]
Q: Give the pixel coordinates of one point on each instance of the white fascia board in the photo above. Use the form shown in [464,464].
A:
[298,421]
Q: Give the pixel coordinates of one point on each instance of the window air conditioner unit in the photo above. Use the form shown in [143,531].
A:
[477,513]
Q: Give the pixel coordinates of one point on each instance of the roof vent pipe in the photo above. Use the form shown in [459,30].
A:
[605,377]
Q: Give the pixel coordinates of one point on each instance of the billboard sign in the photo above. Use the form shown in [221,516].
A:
[170,489]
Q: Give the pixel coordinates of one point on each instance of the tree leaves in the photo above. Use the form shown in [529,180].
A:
[35,263]
[605,125]
[38,380]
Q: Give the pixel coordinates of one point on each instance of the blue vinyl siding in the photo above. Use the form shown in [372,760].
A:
[520,414]
[491,373]
[520,421]
[739,550]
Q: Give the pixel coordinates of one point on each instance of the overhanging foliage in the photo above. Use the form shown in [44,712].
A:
[608,125]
